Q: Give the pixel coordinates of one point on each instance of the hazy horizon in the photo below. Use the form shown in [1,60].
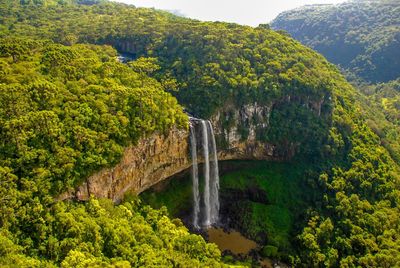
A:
[250,12]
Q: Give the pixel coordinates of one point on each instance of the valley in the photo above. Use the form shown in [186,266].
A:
[133,137]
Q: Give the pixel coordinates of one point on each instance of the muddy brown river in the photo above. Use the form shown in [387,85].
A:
[233,241]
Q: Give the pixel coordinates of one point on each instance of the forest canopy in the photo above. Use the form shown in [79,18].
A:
[362,36]
[69,108]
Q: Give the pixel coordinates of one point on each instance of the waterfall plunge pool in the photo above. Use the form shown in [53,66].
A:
[232,241]
[250,190]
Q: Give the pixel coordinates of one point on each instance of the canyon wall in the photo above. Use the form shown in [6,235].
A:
[160,156]
[151,160]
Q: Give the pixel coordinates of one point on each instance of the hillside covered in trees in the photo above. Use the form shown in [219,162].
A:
[361,36]
[64,113]
[68,108]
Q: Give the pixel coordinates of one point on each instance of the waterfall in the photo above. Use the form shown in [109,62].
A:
[211,174]
[207,212]
[214,187]
[195,177]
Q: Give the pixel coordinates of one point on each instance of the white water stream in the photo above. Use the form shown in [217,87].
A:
[211,174]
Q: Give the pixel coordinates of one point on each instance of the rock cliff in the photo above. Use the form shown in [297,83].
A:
[160,156]
[235,131]
[151,160]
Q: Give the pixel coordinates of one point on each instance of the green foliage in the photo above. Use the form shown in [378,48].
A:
[211,62]
[99,234]
[387,96]
[176,196]
[270,251]
[267,200]
[359,218]
[381,110]
[207,66]
[67,111]
[264,199]
[362,36]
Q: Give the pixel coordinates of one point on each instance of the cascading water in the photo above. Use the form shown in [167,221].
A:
[195,177]
[207,212]
[211,174]
[214,187]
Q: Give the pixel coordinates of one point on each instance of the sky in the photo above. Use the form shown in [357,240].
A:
[248,12]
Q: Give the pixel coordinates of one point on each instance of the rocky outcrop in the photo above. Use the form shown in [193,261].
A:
[142,165]
[160,156]
[236,132]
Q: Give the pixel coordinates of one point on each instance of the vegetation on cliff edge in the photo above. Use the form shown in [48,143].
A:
[68,109]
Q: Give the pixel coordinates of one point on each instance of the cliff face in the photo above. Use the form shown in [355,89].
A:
[236,132]
[143,165]
[160,156]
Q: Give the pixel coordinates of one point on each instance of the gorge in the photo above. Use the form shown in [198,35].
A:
[97,151]
[162,155]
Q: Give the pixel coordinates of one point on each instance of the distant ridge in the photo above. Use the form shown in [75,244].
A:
[362,36]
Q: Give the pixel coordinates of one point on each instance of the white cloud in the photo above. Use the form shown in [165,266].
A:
[249,12]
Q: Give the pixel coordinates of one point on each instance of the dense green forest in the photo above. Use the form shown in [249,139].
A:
[65,112]
[68,108]
[387,95]
[363,39]
[362,36]
[208,60]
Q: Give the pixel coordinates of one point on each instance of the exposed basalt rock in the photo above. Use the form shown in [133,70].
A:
[143,165]
[236,132]
[160,156]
